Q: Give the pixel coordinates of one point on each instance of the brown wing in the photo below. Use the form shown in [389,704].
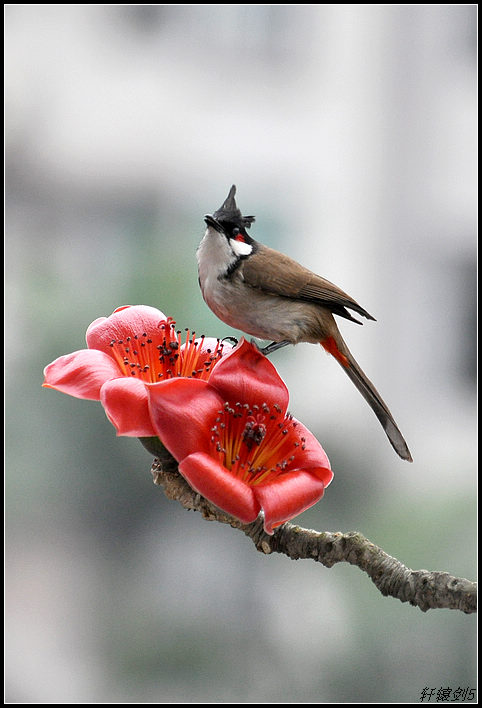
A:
[278,274]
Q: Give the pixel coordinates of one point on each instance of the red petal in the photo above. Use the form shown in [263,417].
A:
[126,321]
[246,375]
[315,459]
[81,374]
[126,405]
[182,412]
[288,496]
[216,483]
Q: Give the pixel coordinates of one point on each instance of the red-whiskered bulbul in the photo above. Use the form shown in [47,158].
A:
[270,296]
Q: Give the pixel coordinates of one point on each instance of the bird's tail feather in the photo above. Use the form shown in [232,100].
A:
[342,354]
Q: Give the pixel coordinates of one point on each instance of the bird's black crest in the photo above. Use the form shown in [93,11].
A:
[229,212]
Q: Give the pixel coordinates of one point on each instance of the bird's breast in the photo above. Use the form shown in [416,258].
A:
[262,314]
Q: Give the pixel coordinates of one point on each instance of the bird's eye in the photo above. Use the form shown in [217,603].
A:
[235,231]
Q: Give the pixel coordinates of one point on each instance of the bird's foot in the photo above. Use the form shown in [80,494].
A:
[274,346]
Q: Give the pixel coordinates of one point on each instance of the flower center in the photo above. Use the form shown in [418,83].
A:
[162,355]
[255,443]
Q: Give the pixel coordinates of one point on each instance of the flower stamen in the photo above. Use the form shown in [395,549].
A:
[157,358]
[254,445]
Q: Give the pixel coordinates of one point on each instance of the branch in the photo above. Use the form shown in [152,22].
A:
[421,588]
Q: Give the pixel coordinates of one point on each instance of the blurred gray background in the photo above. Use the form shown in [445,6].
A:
[350,134]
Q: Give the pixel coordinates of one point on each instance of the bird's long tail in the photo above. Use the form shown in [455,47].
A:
[342,354]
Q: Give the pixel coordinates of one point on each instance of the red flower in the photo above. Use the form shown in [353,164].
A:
[235,442]
[135,346]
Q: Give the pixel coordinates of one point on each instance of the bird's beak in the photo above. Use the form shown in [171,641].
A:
[211,221]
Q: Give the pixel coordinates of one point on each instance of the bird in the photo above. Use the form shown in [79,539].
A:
[270,296]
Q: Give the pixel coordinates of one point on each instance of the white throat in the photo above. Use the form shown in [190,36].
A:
[214,256]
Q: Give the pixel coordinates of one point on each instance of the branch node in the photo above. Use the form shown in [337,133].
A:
[265,547]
